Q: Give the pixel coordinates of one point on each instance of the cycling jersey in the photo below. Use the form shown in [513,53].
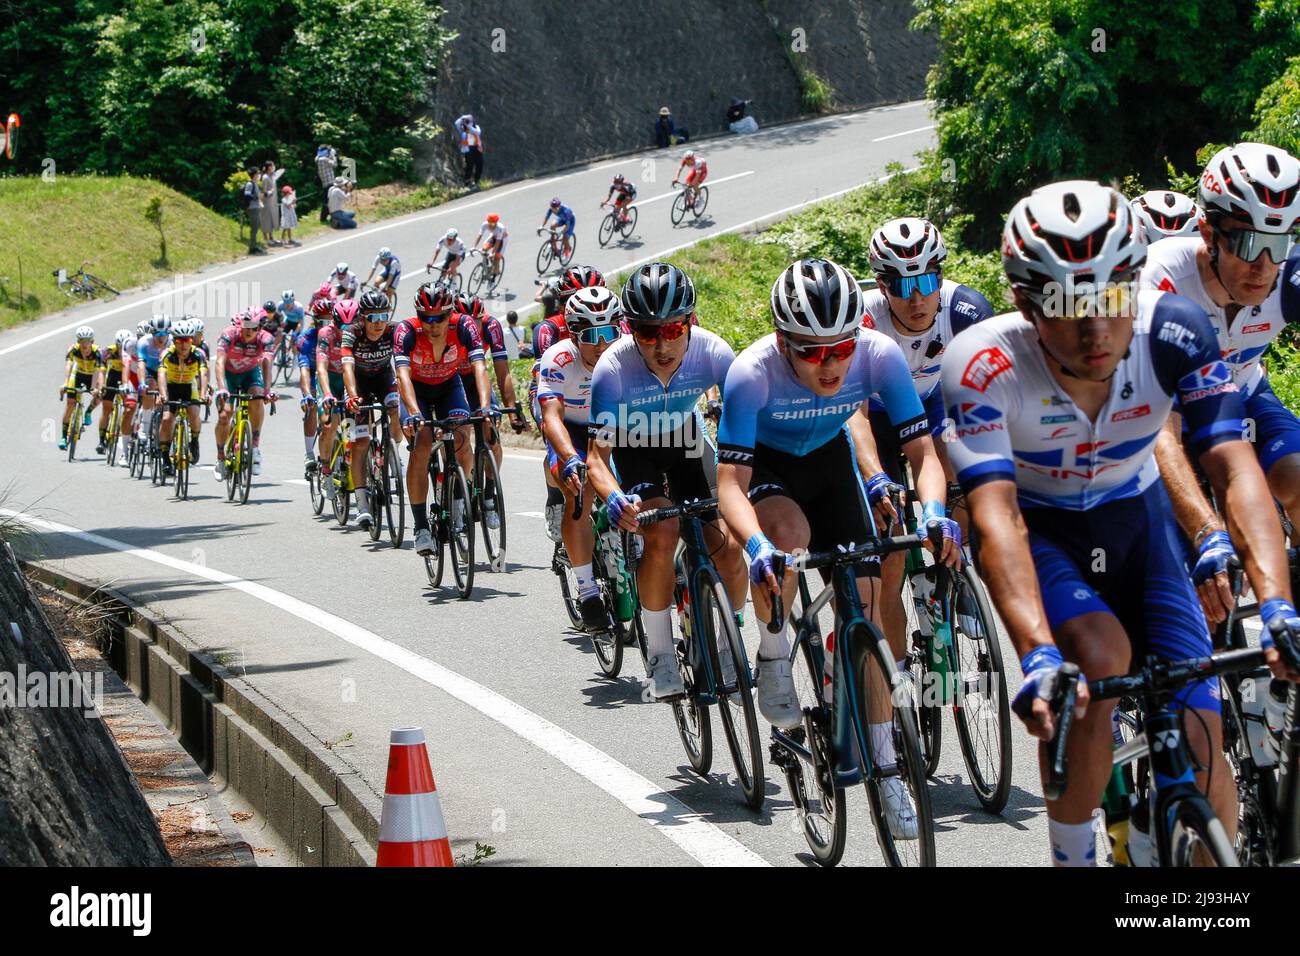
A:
[390,270]
[307,351]
[563,216]
[148,352]
[496,234]
[696,172]
[626,192]
[1171,267]
[766,404]
[242,356]
[112,355]
[85,364]
[414,351]
[456,248]
[182,371]
[564,378]
[367,356]
[628,400]
[1013,421]
[550,330]
[329,344]
[291,315]
[346,287]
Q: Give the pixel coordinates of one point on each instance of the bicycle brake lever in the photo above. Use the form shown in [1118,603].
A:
[1063,697]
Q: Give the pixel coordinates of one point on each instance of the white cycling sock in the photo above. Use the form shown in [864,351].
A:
[658,631]
[586,580]
[882,741]
[309,443]
[773,647]
[363,501]
[1073,844]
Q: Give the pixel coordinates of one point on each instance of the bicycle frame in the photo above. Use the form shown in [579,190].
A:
[700,569]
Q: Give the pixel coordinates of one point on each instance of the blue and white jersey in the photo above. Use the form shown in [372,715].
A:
[291,314]
[150,353]
[563,377]
[564,215]
[307,350]
[1171,267]
[628,399]
[390,269]
[767,405]
[1014,422]
[959,308]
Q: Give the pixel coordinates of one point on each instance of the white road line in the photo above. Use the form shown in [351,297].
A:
[530,514]
[707,182]
[537,457]
[906,132]
[701,840]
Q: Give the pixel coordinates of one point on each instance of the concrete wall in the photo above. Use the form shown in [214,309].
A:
[581,79]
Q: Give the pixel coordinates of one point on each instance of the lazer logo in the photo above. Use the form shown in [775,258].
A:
[1127,414]
[984,367]
[1258,327]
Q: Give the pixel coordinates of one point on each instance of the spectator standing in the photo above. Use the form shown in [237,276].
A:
[326,161]
[666,131]
[288,216]
[341,218]
[251,195]
[270,205]
[516,343]
[471,148]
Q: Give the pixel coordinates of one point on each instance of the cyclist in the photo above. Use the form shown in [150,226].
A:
[495,235]
[291,313]
[697,170]
[343,282]
[1078,506]
[787,476]
[564,392]
[117,365]
[452,249]
[197,325]
[469,308]
[1167,215]
[321,311]
[82,369]
[1242,269]
[326,293]
[367,356]
[271,323]
[389,268]
[149,348]
[644,392]
[330,387]
[565,222]
[921,311]
[428,355]
[626,193]
[182,377]
[242,365]
[550,330]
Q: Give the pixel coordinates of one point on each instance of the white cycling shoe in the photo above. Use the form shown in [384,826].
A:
[665,678]
[219,469]
[900,812]
[257,461]
[554,515]
[777,701]
[493,519]
[424,542]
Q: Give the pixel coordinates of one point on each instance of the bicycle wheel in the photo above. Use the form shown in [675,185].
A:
[926,702]
[678,209]
[460,537]
[1196,837]
[606,231]
[179,453]
[434,564]
[97,284]
[488,479]
[607,644]
[735,690]
[375,474]
[701,200]
[315,490]
[691,716]
[567,248]
[477,277]
[629,224]
[231,451]
[394,496]
[563,569]
[821,801]
[74,429]
[544,256]
[245,473]
[342,499]
[980,708]
[114,426]
[885,772]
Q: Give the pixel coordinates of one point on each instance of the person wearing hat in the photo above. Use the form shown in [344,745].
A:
[326,160]
[288,216]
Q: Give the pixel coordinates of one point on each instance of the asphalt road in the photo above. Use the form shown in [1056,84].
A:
[533,752]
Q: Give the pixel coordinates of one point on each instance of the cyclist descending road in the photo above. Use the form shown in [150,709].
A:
[645,426]
[696,170]
[83,370]
[120,365]
[562,228]
[389,269]
[452,250]
[343,282]
[367,357]
[492,238]
[1077,505]
[149,348]
[331,390]
[621,192]
[564,392]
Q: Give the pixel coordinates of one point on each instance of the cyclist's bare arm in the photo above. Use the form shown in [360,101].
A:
[599,474]
[506,382]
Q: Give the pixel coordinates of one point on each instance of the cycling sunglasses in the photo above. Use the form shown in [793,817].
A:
[594,335]
[377,317]
[434,316]
[821,354]
[901,287]
[184,338]
[669,331]
[1248,245]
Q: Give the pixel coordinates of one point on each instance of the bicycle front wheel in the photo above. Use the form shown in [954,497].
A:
[114,428]
[394,496]
[735,690]
[567,248]
[244,475]
[1197,837]
[606,232]
[825,822]
[895,782]
[493,507]
[701,200]
[460,531]
[181,457]
[477,277]
[544,256]
[691,716]
[375,485]
[679,208]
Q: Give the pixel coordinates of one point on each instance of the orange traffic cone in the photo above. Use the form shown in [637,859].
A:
[411,830]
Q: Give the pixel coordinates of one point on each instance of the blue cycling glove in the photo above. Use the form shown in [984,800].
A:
[761,551]
[1281,629]
[879,486]
[571,466]
[1215,552]
[616,503]
[1041,668]
[933,515]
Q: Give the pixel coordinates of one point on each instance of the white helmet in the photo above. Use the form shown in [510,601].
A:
[123,336]
[85,333]
[385,253]
[906,247]
[592,306]
[451,233]
[197,325]
[287,296]
[341,269]
[689,157]
[142,328]
[1254,182]
[1164,214]
[184,329]
[1071,232]
[816,297]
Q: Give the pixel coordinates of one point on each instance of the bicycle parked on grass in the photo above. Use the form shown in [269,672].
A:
[485,274]
[451,516]
[81,283]
[237,453]
[556,247]
[384,478]
[619,219]
[692,199]
[834,748]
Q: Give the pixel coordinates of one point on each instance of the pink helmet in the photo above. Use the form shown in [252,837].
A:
[345,311]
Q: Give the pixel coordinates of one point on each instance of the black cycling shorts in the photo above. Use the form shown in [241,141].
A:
[681,468]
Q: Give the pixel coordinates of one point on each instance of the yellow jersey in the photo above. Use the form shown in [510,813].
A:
[113,358]
[83,365]
[182,371]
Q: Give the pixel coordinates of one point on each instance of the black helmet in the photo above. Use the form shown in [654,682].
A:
[658,292]
[372,300]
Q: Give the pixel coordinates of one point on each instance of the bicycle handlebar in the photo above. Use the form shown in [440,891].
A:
[689,509]
[577,500]
[873,548]
[1062,704]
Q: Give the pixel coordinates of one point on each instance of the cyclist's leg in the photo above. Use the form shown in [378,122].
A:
[225,410]
[577,533]
[892,616]
[640,472]
[417,464]
[1277,443]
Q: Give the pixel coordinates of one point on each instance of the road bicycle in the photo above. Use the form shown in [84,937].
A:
[692,199]
[81,283]
[621,220]
[285,363]
[710,655]
[450,510]
[77,423]
[237,452]
[486,488]
[113,434]
[180,447]
[141,448]
[834,748]
[485,274]
[384,479]
[558,247]
[454,282]
[339,472]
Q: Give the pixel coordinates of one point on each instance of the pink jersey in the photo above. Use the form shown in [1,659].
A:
[244,356]
[329,343]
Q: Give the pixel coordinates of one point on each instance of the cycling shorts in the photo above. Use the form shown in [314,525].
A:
[684,467]
[181,392]
[1277,430]
[380,386]
[472,396]
[446,400]
[245,382]
[80,380]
